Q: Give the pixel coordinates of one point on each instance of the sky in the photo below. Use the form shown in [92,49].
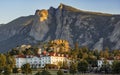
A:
[12,9]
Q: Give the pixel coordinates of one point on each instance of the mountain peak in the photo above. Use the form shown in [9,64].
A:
[73,9]
[60,6]
[67,7]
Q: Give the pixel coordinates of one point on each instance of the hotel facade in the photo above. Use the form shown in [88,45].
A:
[40,61]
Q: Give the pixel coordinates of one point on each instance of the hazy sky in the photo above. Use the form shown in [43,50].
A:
[11,9]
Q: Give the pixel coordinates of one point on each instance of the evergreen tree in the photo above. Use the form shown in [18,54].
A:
[15,70]
[60,64]
[7,70]
[105,67]
[85,49]
[73,68]
[116,67]
[2,60]
[26,68]
[1,70]
[60,72]
[38,73]
[45,72]
[80,54]
[65,65]
[82,66]
[10,60]
[76,47]
[106,53]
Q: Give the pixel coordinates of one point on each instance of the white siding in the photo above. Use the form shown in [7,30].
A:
[39,61]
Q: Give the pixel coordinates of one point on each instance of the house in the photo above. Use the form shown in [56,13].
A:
[102,61]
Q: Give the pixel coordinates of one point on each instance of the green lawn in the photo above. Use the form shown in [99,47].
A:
[54,72]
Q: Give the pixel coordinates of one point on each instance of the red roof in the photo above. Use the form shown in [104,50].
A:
[20,56]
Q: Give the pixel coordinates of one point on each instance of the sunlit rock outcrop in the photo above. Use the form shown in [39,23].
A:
[43,14]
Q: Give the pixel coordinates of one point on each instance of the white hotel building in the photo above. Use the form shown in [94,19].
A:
[39,61]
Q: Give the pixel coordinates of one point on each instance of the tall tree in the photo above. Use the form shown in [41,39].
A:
[105,67]
[80,54]
[26,68]
[15,70]
[60,72]
[10,60]
[2,62]
[82,66]
[76,47]
[116,67]
[38,73]
[65,64]
[96,53]
[60,64]
[106,53]
[7,70]
[73,68]
[45,72]
[85,49]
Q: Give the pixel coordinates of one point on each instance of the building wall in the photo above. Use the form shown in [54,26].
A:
[100,62]
[37,62]
[33,61]
[20,62]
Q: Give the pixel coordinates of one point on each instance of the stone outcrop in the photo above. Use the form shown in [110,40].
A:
[43,14]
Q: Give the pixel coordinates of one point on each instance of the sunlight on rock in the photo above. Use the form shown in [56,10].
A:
[61,6]
[43,14]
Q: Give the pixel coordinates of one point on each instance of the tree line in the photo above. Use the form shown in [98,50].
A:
[82,58]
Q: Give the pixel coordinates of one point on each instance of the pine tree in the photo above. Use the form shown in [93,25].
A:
[73,68]
[116,67]
[82,66]
[26,68]
[60,72]
[38,73]
[45,72]
[7,70]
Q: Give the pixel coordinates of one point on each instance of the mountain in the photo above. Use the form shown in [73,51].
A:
[92,29]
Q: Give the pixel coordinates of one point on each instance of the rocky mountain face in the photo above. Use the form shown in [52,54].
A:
[95,30]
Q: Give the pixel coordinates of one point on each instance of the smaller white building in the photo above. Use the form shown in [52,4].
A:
[101,62]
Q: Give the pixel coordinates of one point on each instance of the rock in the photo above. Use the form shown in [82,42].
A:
[42,14]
